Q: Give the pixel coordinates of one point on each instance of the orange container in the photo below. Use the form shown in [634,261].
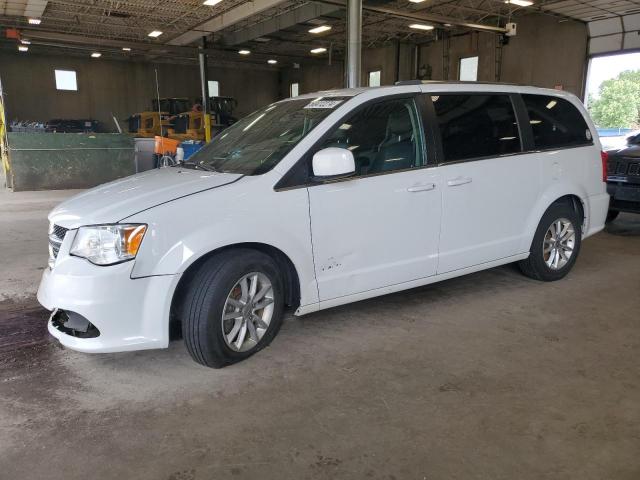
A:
[164,145]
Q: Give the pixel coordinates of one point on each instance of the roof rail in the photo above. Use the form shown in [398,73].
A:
[455,82]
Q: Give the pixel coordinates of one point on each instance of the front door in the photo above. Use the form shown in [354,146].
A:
[380,227]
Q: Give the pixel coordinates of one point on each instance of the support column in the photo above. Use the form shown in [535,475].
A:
[354,42]
[204,80]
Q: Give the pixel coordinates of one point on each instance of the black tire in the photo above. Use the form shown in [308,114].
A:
[206,297]
[612,215]
[535,266]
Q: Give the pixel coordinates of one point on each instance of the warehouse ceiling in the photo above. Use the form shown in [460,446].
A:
[593,9]
[268,28]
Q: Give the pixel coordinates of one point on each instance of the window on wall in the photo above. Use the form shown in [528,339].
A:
[468,69]
[214,88]
[476,126]
[374,78]
[555,122]
[66,80]
[295,90]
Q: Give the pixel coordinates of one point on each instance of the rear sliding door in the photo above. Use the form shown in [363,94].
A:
[489,186]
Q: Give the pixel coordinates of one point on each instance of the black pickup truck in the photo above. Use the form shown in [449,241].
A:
[623,178]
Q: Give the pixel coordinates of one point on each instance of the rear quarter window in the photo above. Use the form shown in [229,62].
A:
[556,122]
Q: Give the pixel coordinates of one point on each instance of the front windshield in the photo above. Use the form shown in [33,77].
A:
[255,144]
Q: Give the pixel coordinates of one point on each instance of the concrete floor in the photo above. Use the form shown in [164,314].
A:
[488,376]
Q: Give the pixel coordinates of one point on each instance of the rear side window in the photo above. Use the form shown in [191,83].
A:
[476,126]
[555,122]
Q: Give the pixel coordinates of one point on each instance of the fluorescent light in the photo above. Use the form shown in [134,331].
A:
[521,3]
[244,52]
[96,55]
[551,104]
[34,21]
[447,25]
[155,34]
[22,48]
[272,61]
[126,49]
[211,3]
[24,41]
[319,50]
[421,26]
[416,1]
[325,28]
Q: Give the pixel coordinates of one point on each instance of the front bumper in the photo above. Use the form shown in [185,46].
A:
[130,314]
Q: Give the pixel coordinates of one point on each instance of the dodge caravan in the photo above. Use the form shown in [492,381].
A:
[321,200]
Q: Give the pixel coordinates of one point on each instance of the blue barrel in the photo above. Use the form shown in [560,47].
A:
[190,147]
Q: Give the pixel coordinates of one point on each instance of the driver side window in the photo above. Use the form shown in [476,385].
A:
[383,137]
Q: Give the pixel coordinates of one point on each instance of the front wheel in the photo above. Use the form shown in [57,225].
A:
[555,245]
[233,308]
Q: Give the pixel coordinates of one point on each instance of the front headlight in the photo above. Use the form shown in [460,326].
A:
[108,244]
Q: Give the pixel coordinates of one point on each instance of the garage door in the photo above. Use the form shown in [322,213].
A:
[615,34]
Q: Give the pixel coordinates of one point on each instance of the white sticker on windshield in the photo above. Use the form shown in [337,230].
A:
[323,103]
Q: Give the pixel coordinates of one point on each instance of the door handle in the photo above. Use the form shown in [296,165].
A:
[421,188]
[454,182]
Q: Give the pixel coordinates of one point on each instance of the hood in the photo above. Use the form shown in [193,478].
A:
[114,201]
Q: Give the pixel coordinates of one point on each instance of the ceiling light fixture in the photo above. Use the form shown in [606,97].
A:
[319,50]
[416,1]
[421,26]
[155,33]
[22,48]
[126,49]
[244,52]
[211,3]
[96,55]
[272,61]
[521,3]
[323,28]
[24,41]
[34,21]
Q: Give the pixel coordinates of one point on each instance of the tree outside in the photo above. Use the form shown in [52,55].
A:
[618,104]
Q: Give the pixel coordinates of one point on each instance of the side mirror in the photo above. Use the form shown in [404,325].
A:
[333,162]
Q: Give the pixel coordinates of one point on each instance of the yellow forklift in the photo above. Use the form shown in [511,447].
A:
[191,125]
[158,121]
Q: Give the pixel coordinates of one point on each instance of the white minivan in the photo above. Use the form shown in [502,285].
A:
[322,200]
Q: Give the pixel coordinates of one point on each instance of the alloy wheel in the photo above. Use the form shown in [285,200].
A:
[247,312]
[559,243]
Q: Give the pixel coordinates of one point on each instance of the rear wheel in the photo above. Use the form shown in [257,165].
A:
[555,245]
[233,308]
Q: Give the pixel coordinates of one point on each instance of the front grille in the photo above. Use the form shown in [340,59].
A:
[56,236]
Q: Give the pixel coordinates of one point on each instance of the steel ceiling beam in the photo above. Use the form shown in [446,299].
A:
[302,14]
[224,20]
[145,48]
[423,17]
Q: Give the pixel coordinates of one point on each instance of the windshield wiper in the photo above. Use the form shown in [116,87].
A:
[196,166]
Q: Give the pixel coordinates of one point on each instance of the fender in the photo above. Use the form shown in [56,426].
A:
[552,193]
[183,231]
